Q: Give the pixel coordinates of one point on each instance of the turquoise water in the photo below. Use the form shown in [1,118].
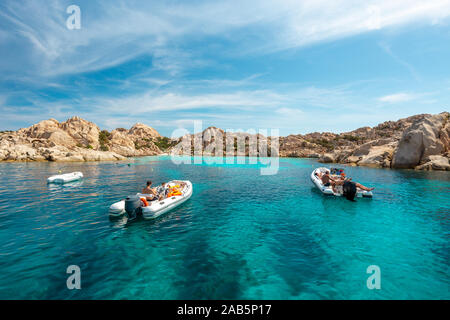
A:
[241,235]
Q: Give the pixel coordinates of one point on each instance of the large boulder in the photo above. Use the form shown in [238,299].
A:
[84,132]
[143,131]
[61,138]
[378,156]
[435,163]
[327,158]
[95,155]
[444,135]
[41,130]
[362,150]
[121,143]
[62,154]
[138,141]
[420,140]
[22,153]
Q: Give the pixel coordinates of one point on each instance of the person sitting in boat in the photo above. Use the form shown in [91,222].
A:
[162,191]
[148,190]
[327,180]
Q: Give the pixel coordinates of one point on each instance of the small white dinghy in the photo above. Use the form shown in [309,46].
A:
[328,190]
[137,204]
[65,178]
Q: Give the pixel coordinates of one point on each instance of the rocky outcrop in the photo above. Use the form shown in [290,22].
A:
[328,158]
[413,142]
[435,163]
[378,156]
[421,140]
[77,140]
[216,142]
[143,131]
[140,140]
[85,133]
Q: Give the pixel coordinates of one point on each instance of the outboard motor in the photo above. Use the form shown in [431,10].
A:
[349,189]
[133,206]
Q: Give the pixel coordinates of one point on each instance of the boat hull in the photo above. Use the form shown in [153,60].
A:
[65,178]
[117,209]
[158,208]
[155,208]
[329,190]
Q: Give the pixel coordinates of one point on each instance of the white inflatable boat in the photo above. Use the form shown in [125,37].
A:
[328,190]
[153,209]
[65,178]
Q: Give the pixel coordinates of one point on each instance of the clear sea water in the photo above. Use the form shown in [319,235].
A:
[241,235]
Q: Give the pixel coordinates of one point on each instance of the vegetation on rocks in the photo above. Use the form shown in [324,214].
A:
[103,139]
[164,143]
[421,142]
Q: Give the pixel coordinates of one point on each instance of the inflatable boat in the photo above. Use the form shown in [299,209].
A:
[133,206]
[328,190]
[65,178]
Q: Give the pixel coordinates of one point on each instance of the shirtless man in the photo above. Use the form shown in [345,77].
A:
[327,180]
[150,191]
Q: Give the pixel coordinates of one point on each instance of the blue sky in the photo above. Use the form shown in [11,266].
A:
[299,66]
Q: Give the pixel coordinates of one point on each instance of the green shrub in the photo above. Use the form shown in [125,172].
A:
[103,139]
[351,138]
[324,143]
[103,136]
[163,143]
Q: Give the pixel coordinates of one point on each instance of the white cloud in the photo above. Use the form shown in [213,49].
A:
[289,111]
[172,102]
[398,97]
[112,33]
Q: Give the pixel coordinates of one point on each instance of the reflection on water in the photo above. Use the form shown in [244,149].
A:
[241,235]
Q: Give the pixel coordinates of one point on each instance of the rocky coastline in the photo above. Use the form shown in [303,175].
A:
[77,140]
[420,142]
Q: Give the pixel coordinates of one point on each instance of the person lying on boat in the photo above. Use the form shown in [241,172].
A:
[343,179]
